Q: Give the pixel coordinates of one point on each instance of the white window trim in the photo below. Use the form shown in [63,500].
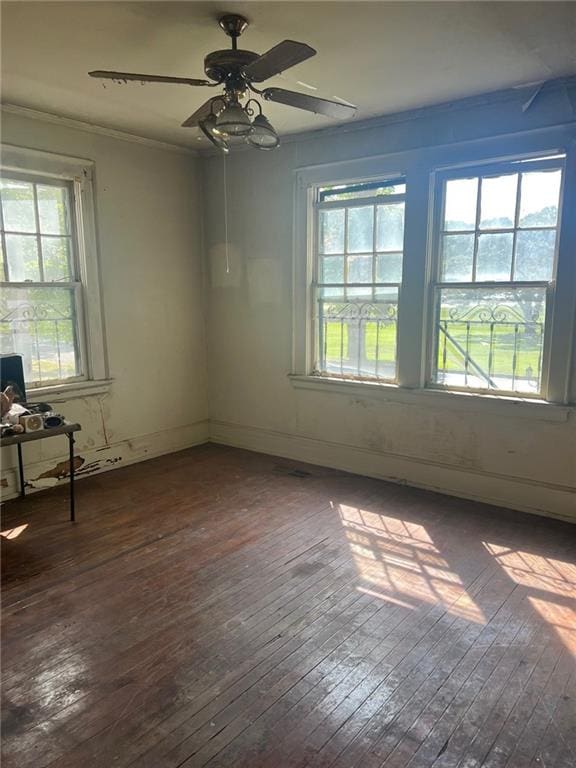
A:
[419,168]
[80,172]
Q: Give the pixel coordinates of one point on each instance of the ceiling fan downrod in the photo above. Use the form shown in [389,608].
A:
[233,24]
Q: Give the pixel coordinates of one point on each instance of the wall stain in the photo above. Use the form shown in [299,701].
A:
[99,465]
[103,420]
[62,469]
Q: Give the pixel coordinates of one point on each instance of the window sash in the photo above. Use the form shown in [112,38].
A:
[440,338]
[71,236]
[478,172]
[358,323]
[77,308]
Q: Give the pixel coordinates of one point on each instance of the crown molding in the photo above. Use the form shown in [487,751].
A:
[81,125]
[515,94]
[508,95]
[493,97]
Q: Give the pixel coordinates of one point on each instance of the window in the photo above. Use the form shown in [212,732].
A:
[50,304]
[496,243]
[359,237]
[40,295]
[435,270]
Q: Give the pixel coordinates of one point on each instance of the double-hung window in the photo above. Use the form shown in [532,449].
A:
[41,300]
[359,241]
[439,269]
[496,244]
[49,301]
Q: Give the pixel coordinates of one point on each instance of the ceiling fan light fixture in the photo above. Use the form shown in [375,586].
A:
[231,114]
[263,135]
[207,127]
[233,121]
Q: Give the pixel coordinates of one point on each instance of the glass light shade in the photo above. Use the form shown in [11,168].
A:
[207,127]
[233,121]
[263,135]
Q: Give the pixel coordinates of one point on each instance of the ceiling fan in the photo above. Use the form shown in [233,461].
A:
[235,113]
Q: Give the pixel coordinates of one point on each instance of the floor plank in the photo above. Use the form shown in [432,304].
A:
[228,609]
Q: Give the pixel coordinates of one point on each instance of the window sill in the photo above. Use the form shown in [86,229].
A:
[73,391]
[456,401]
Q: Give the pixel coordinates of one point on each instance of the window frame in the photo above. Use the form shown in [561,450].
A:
[37,166]
[420,167]
[436,284]
[319,205]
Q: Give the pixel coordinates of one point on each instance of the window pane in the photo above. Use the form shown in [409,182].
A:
[360,292]
[457,257]
[39,324]
[498,203]
[360,229]
[356,191]
[390,227]
[18,205]
[535,254]
[332,231]
[359,269]
[332,269]
[52,210]
[389,268]
[539,198]
[494,257]
[491,339]
[461,202]
[332,292]
[56,258]
[358,337]
[22,257]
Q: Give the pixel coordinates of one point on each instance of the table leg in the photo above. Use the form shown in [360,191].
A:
[21,470]
[71,446]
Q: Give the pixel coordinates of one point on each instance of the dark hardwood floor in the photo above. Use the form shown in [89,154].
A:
[227,609]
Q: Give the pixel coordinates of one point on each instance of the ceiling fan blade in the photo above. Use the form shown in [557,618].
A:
[200,114]
[107,75]
[283,56]
[311,103]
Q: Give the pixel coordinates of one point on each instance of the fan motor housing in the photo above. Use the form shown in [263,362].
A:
[219,65]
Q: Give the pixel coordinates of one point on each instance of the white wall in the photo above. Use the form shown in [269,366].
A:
[518,461]
[149,217]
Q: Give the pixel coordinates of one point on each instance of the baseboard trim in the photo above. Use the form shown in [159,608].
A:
[100,459]
[521,494]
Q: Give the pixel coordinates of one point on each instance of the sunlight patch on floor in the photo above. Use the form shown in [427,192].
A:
[399,562]
[13,533]
[553,582]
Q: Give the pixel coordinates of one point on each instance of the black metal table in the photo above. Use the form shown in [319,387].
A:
[17,440]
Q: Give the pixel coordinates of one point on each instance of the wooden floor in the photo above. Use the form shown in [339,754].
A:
[223,608]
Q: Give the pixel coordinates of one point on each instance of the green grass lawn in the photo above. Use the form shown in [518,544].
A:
[384,339]
[528,347]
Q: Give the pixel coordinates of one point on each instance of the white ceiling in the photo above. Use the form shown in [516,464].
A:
[385,57]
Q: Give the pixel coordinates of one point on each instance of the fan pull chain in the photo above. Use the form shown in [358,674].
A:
[226,214]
